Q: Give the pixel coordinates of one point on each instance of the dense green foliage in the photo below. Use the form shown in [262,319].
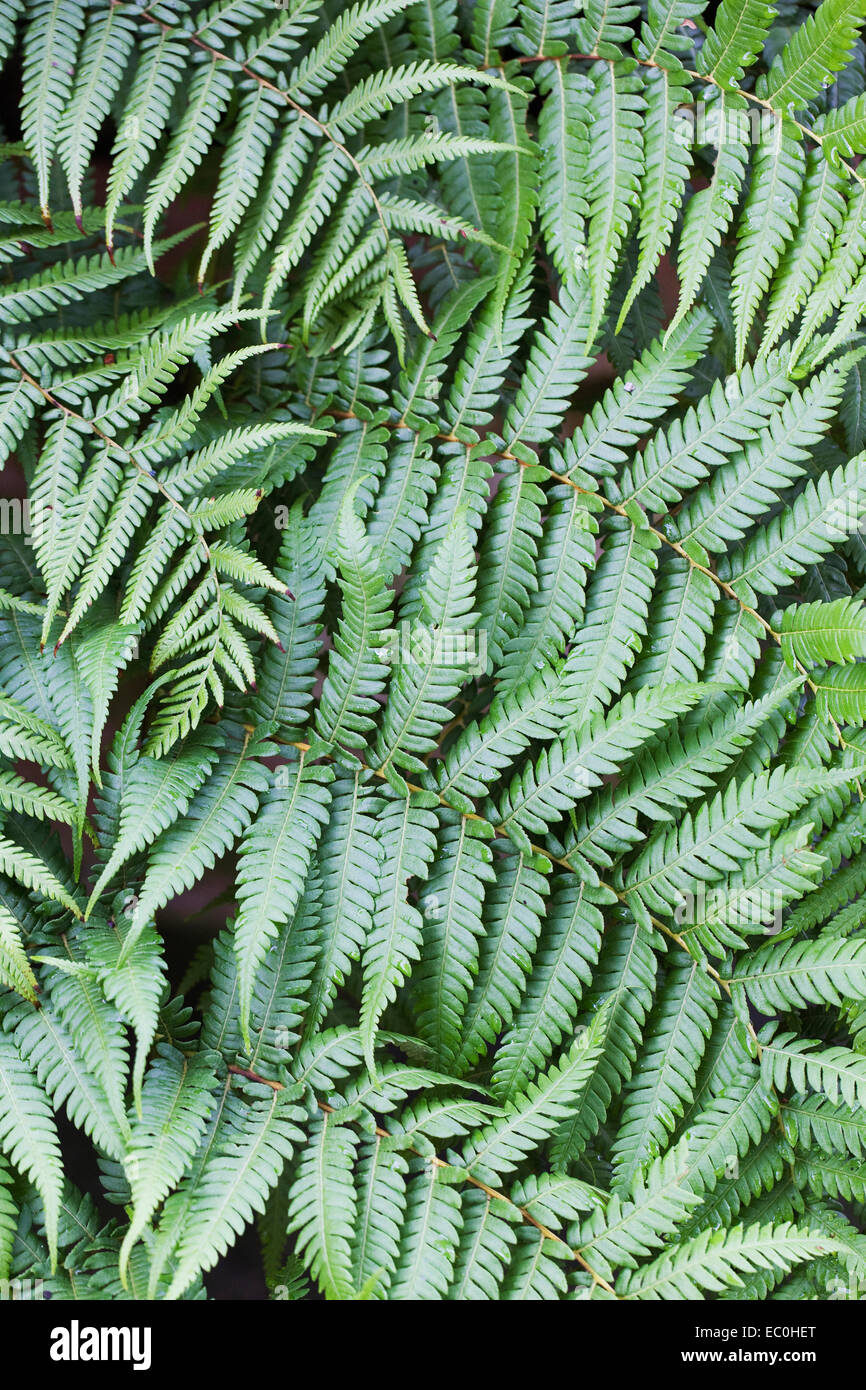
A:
[513,705]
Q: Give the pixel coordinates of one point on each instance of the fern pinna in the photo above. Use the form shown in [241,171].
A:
[449,558]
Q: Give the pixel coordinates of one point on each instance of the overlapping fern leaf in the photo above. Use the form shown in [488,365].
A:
[441,583]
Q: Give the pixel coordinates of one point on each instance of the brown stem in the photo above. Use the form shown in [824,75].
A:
[493,1193]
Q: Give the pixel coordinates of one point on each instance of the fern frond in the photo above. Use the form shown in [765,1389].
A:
[432,649]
